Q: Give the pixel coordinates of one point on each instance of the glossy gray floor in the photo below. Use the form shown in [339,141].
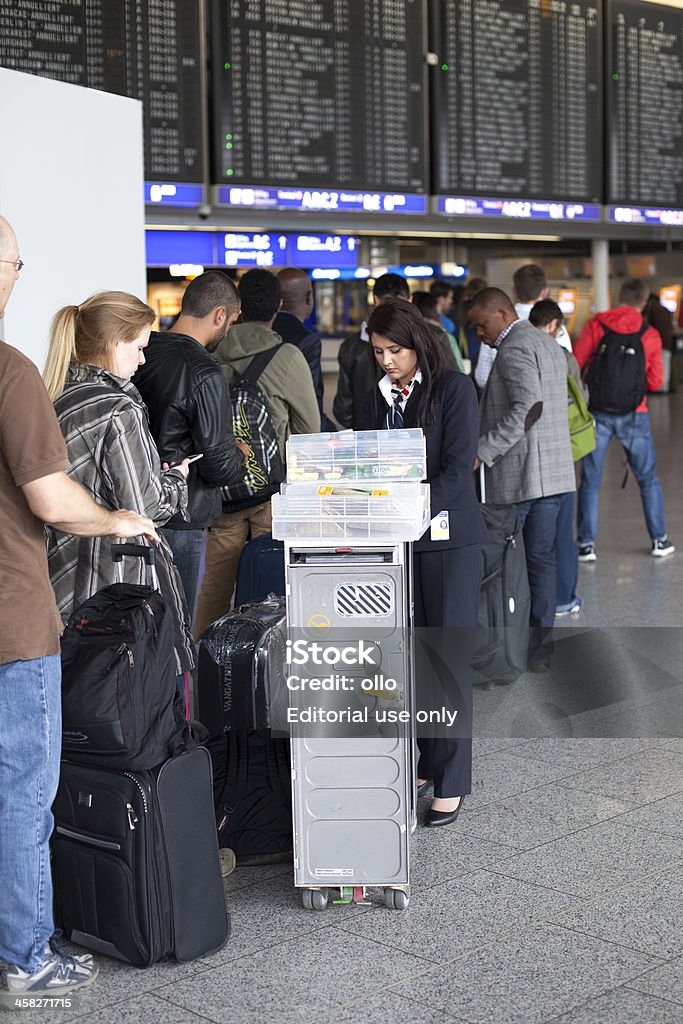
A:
[558,894]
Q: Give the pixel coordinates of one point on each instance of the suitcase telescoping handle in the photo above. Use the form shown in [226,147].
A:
[147,554]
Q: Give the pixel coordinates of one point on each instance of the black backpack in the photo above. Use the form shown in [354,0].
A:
[120,705]
[252,791]
[616,378]
[253,425]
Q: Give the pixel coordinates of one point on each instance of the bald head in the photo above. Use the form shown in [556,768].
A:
[297,293]
[7,238]
[493,299]
[9,253]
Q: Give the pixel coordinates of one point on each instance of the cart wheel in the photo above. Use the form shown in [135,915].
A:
[396,899]
[401,899]
[314,899]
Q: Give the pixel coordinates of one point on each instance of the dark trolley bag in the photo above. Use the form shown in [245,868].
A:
[135,861]
[261,570]
[505,601]
[119,694]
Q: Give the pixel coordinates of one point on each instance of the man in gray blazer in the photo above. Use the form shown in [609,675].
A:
[524,445]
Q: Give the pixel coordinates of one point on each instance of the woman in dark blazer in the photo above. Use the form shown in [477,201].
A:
[418,391]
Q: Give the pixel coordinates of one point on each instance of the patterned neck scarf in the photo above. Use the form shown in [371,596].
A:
[400,393]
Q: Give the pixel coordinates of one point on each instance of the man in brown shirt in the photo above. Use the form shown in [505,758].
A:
[34,489]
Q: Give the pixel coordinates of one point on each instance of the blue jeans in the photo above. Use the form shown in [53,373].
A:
[539,524]
[566,552]
[30,748]
[633,433]
[186,546]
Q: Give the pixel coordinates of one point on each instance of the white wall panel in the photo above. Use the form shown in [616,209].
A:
[71,184]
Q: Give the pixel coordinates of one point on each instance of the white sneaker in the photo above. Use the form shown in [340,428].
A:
[663,547]
[228,861]
[59,974]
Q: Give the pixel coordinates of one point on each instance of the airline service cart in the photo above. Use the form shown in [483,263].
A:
[352,504]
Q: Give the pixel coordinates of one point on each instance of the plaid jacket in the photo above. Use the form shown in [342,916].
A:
[524,428]
[112,454]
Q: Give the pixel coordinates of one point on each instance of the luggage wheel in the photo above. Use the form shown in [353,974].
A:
[396,899]
[314,899]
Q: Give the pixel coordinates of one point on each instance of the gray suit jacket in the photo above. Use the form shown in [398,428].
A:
[524,429]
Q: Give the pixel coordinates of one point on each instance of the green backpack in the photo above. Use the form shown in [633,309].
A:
[581,423]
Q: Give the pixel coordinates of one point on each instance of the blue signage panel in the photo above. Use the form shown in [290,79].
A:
[243,249]
[251,249]
[167,193]
[166,247]
[308,251]
[645,215]
[522,209]
[312,199]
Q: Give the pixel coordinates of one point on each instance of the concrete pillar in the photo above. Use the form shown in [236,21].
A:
[600,250]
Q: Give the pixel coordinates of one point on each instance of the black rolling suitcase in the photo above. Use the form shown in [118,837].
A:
[135,861]
[505,601]
[240,667]
[241,682]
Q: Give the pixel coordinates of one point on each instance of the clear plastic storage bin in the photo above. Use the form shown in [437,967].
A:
[336,511]
[360,455]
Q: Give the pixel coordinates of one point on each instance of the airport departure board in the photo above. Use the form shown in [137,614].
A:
[644,104]
[517,93]
[319,93]
[145,49]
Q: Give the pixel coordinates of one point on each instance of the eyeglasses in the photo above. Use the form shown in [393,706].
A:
[17,264]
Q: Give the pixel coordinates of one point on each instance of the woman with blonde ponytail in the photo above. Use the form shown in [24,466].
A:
[62,350]
[95,349]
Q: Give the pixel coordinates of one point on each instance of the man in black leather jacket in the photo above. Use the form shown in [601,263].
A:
[190,413]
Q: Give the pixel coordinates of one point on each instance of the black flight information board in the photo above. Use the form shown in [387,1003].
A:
[319,93]
[517,94]
[644,104]
[146,49]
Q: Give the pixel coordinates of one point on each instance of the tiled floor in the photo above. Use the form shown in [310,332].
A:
[557,896]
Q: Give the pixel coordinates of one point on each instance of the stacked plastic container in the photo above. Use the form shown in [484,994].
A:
[353,486]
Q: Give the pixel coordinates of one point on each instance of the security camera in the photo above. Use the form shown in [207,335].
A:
[204,211]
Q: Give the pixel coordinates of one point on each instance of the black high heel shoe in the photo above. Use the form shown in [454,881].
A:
[423,789]
[436,818]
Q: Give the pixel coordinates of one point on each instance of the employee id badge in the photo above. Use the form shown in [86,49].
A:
[440,527]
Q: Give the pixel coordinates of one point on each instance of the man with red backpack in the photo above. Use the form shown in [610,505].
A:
[623,357]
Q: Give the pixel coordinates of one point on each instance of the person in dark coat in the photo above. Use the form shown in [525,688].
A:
[297,305]
[660,318]
[359,374]
[418,391]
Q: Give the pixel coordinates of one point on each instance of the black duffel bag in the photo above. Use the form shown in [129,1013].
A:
[120,703]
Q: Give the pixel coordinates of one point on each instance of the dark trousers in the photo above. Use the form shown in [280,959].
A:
[539,523]
[566,552]
[186,546]
[446,597]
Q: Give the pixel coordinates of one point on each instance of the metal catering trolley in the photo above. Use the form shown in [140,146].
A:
[352,504]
